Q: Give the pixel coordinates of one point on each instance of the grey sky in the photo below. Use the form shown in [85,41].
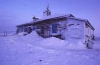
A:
[14,12]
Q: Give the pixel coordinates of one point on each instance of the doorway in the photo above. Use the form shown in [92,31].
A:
[42,30]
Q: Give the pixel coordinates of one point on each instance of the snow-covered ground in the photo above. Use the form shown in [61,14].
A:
[34,50]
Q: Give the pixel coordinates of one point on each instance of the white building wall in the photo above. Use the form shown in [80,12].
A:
[75,31]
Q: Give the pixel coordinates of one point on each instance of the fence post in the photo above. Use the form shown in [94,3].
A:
[4,33]
[7,33]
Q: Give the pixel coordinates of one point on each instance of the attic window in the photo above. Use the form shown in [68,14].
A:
[71,24]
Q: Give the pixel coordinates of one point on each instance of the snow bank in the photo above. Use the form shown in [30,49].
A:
[79,45]
[96,46]
[22,33]
[53,43]
[33,38]
[33,35]
[56,43]
[96,42]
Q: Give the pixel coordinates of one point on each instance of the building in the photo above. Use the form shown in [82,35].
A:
[63,26]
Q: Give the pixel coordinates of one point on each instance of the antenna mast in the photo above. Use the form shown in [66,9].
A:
[47,12]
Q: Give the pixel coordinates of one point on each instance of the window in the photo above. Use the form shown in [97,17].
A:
[71,24]
[54,28]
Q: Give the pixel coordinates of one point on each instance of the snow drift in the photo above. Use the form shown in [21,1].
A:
[35,50]
[52,42]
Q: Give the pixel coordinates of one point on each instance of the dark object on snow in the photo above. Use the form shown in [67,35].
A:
[40,60]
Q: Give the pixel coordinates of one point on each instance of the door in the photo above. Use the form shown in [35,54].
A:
[42,29]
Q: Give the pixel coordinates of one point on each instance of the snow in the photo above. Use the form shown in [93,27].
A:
[32,49]
[54,43]
[22,33]
[79,18]
[97,41]
[48,17]
[52,16]
[79,45]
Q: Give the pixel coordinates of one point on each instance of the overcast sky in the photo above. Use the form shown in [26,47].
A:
[15,12]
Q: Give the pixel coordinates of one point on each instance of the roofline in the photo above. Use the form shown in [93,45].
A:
[32,23]
[70,15]
[90,24]
[24,24]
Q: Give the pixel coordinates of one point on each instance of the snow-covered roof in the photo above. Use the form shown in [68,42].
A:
[55,16]
[78,18]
